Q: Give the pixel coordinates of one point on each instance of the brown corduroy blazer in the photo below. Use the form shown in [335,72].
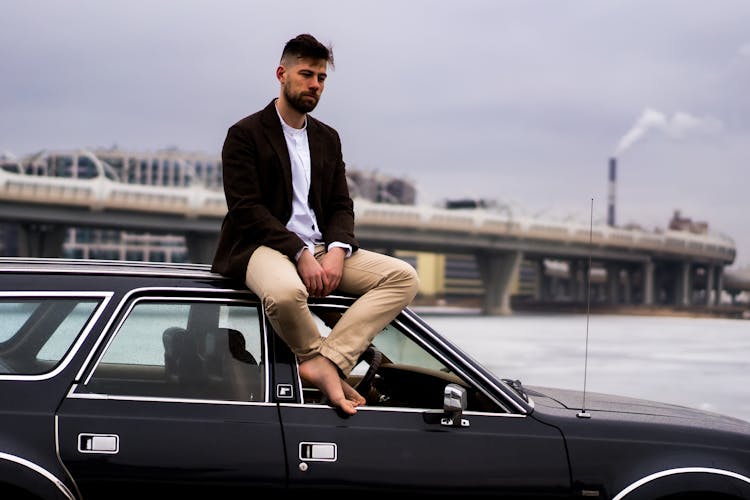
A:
[258,189]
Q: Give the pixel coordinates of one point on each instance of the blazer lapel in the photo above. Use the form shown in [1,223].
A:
[275,135]
[316,161]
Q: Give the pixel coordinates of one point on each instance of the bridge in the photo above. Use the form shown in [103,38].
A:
[677,267]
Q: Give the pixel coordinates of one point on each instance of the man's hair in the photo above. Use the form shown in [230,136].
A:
[306,46]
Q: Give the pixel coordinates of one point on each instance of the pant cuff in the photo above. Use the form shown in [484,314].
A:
[343,363]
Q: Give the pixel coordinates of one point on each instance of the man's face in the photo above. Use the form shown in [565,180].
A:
[303,82]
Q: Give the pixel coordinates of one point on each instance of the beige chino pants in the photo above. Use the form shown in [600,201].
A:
[384,285]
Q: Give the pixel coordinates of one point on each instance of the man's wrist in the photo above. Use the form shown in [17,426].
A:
[299,253]
[344,246]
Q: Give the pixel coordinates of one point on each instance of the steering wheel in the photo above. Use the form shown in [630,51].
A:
[374,358]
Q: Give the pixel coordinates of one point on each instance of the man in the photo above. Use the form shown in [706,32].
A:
[289,229]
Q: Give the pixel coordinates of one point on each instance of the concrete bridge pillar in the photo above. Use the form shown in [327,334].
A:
[627,287]
[582,280]
[555,288]
[498,270]
[541,281]
[719,284]
[577,280]
[648,283]
[573,279]
[41,240]
[684,285]
[710,275]
[201,247]
[613,284]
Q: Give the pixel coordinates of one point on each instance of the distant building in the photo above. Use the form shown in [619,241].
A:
[167,167]
[680,223]
[380,188]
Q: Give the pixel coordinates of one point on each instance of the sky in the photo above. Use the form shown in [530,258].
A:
[518,102]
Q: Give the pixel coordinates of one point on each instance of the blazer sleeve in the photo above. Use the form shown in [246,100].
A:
[339,207]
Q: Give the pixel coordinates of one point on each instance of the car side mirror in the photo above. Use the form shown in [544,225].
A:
[454,403]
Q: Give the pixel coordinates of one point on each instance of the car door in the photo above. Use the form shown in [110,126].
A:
[175,401]
[401,442]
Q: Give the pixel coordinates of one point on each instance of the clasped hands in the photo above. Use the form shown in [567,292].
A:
[321,277]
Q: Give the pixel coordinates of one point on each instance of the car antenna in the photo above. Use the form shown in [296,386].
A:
[583,413]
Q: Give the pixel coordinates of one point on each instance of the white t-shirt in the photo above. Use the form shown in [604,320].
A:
[303,221]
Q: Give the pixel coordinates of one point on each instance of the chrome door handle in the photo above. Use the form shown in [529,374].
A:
[317,452]
[98,443]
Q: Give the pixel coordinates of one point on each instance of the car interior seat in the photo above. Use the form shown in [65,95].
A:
[215,365]
[229,367]
[172,338]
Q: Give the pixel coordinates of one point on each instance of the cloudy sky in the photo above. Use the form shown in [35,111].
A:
[521,102]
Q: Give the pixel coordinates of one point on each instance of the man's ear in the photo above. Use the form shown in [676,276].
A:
[280,73]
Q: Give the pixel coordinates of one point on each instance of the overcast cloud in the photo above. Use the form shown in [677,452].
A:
[522,102]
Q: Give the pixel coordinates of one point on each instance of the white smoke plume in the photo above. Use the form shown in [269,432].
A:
[677,127]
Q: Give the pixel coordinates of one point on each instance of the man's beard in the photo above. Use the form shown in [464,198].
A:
[300,102]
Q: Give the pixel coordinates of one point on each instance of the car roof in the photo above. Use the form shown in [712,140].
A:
[112,267]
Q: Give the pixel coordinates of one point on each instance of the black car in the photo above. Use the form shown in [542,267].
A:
[122,379]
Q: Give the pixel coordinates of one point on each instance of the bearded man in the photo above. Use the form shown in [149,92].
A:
[289,228]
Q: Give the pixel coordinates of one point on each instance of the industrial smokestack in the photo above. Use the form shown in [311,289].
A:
[611,201]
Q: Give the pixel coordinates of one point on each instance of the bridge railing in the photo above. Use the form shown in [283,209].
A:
[102,193]
[420,218]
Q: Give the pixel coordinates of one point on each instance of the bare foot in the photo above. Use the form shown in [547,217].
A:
[322,373]
[352,395]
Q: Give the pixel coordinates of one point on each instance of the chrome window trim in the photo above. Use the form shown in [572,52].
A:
[108,397]
[106,267]
[404,409]
[180,296]
[73,350]
[670,472]
[39,470]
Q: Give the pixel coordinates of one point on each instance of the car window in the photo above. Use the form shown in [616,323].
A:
[408,374]
[184,349]
[399,348]
[14,314]
[36,334]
